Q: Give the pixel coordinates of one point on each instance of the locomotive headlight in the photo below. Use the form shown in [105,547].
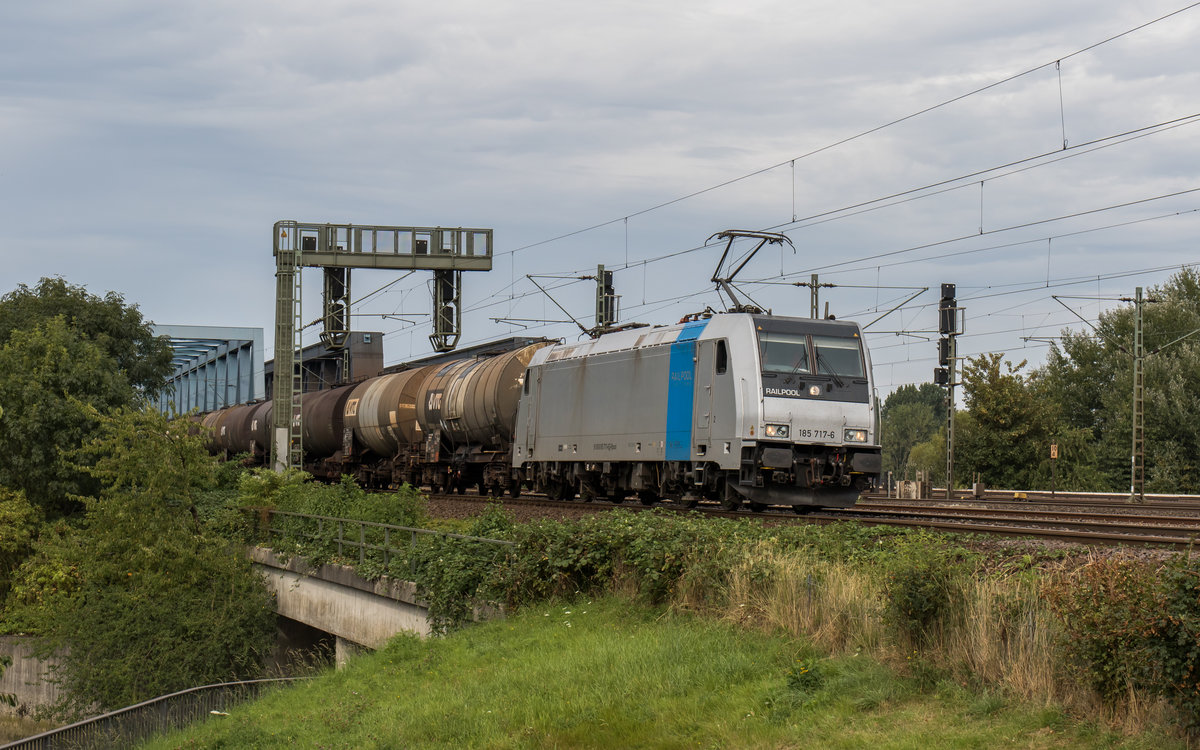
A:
[855,436]
[776,431]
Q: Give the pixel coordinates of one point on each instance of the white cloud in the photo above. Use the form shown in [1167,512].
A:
[139,136]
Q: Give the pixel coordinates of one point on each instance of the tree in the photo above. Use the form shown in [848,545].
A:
[911,415]
[1089,378]
[929,458]
[1008,428]
[49,377]
[144,599]
[1004,437]
[18,528]
[118,329]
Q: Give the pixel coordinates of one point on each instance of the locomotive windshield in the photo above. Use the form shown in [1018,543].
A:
[838,356]
[812,359]
[783,352]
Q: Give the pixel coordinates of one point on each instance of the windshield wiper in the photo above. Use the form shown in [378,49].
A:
[796,369]
[821,363]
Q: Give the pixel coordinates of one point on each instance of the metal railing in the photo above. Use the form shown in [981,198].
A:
[137,723]
[388,541]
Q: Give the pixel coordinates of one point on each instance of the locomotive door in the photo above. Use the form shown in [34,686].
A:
[528,409]
[703,400]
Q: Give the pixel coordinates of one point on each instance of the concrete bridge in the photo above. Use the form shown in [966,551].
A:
[336,600]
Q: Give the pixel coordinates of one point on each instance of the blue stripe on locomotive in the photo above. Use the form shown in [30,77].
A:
[681,392]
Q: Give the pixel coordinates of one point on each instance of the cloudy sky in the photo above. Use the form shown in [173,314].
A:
[1019,149]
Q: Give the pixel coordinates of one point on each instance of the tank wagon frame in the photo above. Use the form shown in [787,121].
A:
[734,407]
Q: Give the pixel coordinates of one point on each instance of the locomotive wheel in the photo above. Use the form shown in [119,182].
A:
[515,489]
[647,497]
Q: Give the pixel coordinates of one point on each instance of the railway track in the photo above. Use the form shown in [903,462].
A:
[1070,521]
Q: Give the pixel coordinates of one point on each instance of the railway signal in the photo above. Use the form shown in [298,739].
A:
[944,375]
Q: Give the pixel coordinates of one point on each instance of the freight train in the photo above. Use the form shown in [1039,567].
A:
[739,408]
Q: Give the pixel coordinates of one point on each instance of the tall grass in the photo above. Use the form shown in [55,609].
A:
[836,605]
[996,634]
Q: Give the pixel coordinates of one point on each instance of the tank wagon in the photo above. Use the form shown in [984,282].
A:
[734,407]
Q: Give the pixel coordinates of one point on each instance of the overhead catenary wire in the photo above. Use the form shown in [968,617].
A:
[862,134]
[515,296]
[914,194]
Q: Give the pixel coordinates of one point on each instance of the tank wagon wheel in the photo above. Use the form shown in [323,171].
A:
[515,490]
[803,510]
[731,502]
[756,507]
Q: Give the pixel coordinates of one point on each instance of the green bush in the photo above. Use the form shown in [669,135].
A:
[453,575]
[1173,640]
[655,554]
[920,585]
[1105,608]
[318,541]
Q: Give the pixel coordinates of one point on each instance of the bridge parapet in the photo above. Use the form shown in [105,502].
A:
[337,600]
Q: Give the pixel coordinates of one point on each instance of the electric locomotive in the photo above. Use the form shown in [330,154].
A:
[734,407]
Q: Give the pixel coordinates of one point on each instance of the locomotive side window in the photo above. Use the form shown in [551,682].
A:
[839,356]
[722,357]
[783,352]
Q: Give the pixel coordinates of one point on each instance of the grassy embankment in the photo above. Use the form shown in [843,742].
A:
[613,674]
[760,637]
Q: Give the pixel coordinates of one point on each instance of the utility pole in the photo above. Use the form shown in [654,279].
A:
[1137,459]
[815,295]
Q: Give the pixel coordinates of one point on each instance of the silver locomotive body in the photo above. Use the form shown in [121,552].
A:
[735,407]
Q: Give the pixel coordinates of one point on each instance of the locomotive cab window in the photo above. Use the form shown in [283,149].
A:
[783,352]
[839,356]
[722,357]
